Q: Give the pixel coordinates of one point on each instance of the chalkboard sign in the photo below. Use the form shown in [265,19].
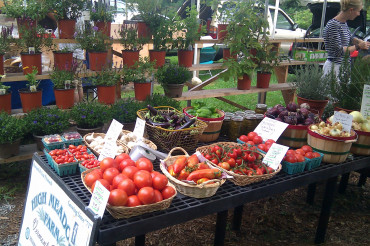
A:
[53,214]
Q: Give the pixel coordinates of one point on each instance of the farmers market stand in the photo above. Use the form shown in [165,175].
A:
[228,196]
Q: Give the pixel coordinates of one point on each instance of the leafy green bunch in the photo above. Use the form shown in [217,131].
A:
[172,74]
[101,12]
[5,38]
[90,114]
[125,110]
[108,76]
[36,37]
[30,9]
[91,39]
[46,121]
[141,72]
[11,128]
[129,38]
[67,9]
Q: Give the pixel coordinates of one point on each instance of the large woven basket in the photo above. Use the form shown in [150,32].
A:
[362,146]
[146,141]
[122,212]
[168,139]
[240,180]
[203,190]
[125,148]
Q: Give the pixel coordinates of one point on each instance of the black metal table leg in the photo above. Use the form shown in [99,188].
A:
[237,219]
[362,179]
[140,240]
[220,228]
[311,190]
[325,210]
[343,183]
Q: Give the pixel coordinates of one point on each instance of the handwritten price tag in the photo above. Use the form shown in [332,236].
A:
[99,199]
[275,155]
[139,128]
[365,104]
[270,129]
[109,149]
[344,119]
[114,130]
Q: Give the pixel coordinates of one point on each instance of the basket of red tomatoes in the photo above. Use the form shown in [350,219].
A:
[242,161]
[191,176]
[135,188]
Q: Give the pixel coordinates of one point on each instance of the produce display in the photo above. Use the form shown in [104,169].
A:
[200,109]
[328,129]
[86,159]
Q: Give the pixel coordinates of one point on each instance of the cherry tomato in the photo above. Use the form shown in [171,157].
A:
[250,142]
[208,156]
[127,185]
[133,201]
[168,192]
[239,161]
[251,157]
[159,182]
[117,197]
[107,163]
[214,161]
[144,164]
[110,173]
[225,165]
[232,154]
[146,195]
[262,147]
[142,178]
[231,162]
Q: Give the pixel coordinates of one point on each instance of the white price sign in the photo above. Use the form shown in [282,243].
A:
[344,119]
[139,128]
[270,129]
[114,130]
[275,155]
[109,149]
[365,104]
[99,199]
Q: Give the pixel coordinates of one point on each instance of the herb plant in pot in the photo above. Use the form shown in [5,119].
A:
[124,111]
[102,15]
[63,81]
[5,40]
[106,81]
[12,130]
[5,97]
[31,97]
[172,78]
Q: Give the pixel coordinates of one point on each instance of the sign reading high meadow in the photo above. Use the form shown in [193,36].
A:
[51,215]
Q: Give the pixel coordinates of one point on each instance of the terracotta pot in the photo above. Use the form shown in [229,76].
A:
[221,31]
[64,98]
[318,105]
[9,149]
[62,60]
[143,30]
[25,23]
[31,60]
[103,27]
[30,100]
[1,64]
[185,57]
[173,90]
[244,83]
[263,79]
[97,60]
[84,131]
[6,103]
[66,29]
[226,54]
[38,141]
[142,90]
[107,94]
[158,56]
[129,57]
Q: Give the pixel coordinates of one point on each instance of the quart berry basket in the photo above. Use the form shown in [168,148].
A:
[293,168]
[314,162]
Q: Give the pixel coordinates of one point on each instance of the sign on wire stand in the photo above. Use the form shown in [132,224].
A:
[53,214]
[365,104]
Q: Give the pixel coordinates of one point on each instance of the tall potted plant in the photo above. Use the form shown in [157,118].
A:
[12,130]
[63,58]
[95,43]
[5,40]
[172,78]
[31,97]
[102,15]
[5,97]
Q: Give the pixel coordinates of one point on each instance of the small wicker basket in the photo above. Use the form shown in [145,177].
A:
[203,190]
[146,141]
[240,180]
[125,148]
[123,212]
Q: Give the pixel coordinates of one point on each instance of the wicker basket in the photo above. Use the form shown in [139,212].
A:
[335,149]
[146,141]
[362,146]
[123,212]
[294,136]
[240,180]
[167,139]
[203,190]
[126,149]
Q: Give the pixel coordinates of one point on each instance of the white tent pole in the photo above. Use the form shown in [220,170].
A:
[196,45]
[322,21]
[275,17]
[266,13]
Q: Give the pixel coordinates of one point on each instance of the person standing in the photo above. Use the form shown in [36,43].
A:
[337,36]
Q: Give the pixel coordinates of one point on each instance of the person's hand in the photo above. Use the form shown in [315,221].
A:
[364,45]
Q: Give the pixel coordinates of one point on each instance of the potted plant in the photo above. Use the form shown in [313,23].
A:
[132,43]
[102,15]
[63,81]
[95,43]
[124,111]
[46,121]
[106,81]
[223,15]
[312,87]
[5,97]
[141,74]
[31,97]
[5,40]
[27,12]
[67,12]
[63,58]
[12,130]
[241,71]
[172,78]
[31,44]
[90,116]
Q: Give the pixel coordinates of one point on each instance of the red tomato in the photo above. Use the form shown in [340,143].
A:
[250,142]
[99,172]
[309,155]
[257,140]
[117,197]
[110,173]
[157,196]
[269,141]
[244,138]
[291,158]
[130,171]
[232,154]
[159,182]
[168,192]
[144,164]
[154,173]
[300,152]
[251,135]
[267,147]
[316,154]
[290,152]
[300,158]
[142,178]
[251,157]
[146,195]
[262,147]
[90,178]
[238,161]
[121,157]
[214,161]
[224,165]
[117,179]
[127,185]
[306,148]
[125,163]
[103,182]
[231,162]
[133,201]
[107,163]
